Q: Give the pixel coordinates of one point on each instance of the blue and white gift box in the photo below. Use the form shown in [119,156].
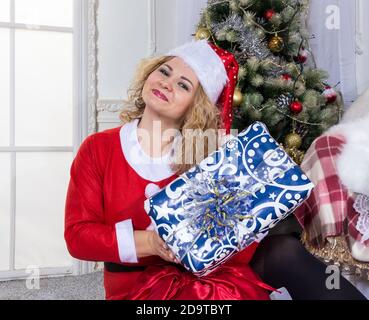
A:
[232,198]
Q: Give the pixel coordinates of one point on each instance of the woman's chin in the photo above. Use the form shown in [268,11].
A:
[156,108]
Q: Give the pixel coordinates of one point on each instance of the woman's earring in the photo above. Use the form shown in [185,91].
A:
[140,103]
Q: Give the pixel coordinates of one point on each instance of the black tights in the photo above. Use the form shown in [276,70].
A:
[282,261]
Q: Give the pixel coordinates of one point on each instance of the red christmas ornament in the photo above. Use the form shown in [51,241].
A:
[269,14]
[302,56]
[286,77]
[329,94]
[296,107]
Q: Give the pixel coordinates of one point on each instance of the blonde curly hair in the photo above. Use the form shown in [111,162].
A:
[200,125]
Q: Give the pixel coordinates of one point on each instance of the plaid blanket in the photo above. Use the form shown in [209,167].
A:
[329,210]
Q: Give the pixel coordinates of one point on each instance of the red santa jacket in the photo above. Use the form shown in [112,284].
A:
[108,180]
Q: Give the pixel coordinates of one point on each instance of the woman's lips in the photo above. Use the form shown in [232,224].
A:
[160,95]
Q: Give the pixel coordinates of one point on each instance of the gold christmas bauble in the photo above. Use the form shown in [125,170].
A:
[237,98]
[293,140]
[276,44]
[296,155]
[202,34]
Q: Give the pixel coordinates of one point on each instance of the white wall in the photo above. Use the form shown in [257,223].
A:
[165,25]
[188,16]
[362,60]
[122,41]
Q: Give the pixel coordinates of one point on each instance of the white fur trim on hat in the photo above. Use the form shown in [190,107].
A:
[207,65]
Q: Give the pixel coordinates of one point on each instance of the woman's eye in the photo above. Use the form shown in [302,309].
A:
[184,86]
[164,72]
[167,74]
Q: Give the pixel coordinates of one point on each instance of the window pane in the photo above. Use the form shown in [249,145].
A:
[4,211]
[42,181]
[4,10]
[4,87]
[43,88]
[44,12]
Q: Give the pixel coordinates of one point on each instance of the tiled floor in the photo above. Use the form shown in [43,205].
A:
[87,287]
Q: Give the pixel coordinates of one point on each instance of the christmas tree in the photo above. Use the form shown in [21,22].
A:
[278,81]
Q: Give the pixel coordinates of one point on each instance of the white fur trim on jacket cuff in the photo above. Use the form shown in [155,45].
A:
[126,242]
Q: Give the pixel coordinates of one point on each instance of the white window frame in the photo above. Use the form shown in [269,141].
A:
[84,111]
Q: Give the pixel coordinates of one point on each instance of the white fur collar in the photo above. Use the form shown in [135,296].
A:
[353,162]
[152,169]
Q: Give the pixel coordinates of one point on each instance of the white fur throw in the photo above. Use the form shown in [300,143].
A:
[353,163]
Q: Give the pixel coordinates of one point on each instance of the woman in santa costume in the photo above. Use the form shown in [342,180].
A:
[116,170]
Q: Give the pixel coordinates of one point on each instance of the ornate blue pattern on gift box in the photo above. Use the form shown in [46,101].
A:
[232,198]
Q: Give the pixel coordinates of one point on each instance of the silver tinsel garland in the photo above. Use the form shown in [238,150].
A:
[215,2]
[249,42]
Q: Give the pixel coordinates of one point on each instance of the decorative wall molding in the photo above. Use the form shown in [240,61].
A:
[152,27]
[89,51]
[109,105]
[92,65]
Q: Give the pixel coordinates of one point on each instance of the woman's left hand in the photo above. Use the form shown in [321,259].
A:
[161,249]
[149,243]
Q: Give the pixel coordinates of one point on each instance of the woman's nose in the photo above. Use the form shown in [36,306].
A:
[166,85]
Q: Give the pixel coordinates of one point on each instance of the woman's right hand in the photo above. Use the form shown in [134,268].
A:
[149,243]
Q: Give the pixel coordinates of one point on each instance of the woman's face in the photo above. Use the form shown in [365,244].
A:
[170,90]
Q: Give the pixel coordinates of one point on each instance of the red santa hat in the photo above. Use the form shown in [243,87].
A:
[216,70]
